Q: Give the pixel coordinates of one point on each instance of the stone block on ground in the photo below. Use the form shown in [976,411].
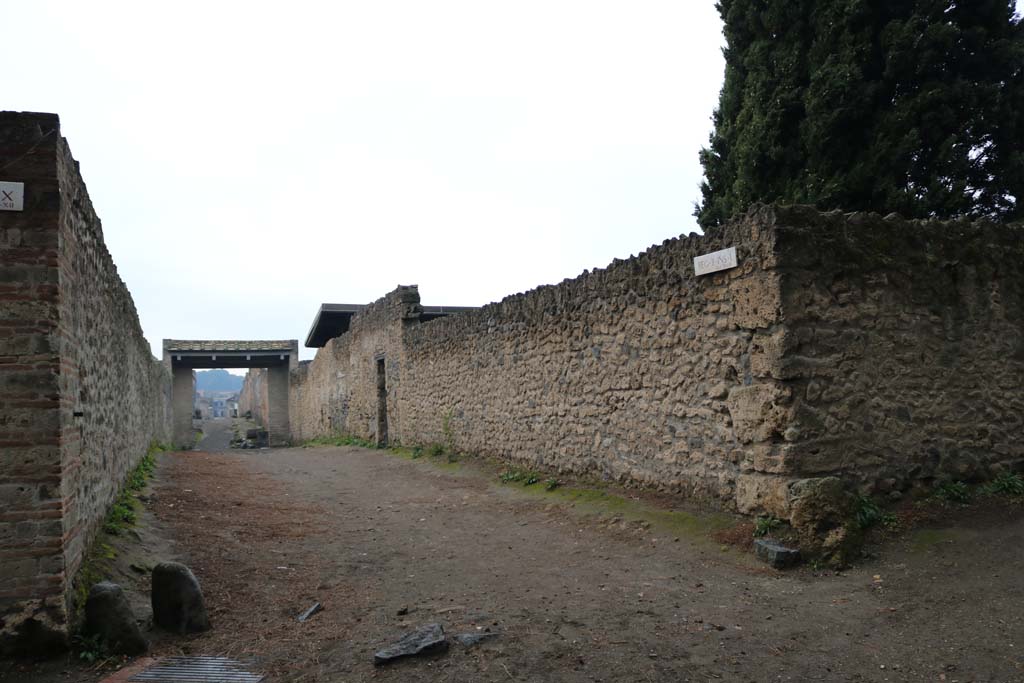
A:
[424,640]
[109,616]
[177,599]
[776,554]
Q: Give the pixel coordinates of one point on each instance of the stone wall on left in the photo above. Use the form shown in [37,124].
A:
[81,395]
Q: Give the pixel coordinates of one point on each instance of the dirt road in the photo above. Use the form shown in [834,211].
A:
[578,585]
[574,592]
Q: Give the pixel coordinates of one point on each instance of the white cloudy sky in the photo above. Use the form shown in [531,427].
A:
[252,160]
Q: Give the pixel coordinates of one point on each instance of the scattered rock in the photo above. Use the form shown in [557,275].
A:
[778,556]
[305,616]
[423,640]
[402,611]
[177,599]
[819,504]
[108,615]
[471,639]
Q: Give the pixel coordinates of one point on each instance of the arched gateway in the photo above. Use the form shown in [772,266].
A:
[182,357]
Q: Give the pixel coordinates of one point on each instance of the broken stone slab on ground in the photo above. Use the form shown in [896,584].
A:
[177,599]
[424,640]
[775,554]
[109,616]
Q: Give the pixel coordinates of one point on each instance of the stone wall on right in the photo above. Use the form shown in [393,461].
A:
[253,400]
[903,348]
[846,353]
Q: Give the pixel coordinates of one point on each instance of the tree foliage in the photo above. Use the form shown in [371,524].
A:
[912,106]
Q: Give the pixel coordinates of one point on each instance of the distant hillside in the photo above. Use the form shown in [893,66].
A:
[217,380]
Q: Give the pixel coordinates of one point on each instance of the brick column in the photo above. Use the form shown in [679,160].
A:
[34,415]
[182,399]
[277,400]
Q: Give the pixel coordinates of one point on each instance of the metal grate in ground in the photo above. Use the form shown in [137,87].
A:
[197,670]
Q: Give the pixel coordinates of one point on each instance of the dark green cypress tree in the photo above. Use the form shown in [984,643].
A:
[913,106]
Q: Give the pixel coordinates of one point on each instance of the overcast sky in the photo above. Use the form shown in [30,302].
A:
[251,161]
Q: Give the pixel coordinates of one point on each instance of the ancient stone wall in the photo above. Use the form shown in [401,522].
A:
[904,348]
[319,399]
[632,373]
[853,350]
[623,373]
[253,400]
[82,396]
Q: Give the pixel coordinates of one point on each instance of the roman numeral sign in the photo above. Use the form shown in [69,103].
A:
[12,196]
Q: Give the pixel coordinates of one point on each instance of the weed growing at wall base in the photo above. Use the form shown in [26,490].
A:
[867,514]
[766,524]
[1006,484]
[123,514]
[953,492]
[339,440]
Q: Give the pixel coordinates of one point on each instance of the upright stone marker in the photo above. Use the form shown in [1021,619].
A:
[12,196]
[178,604]
[715,261]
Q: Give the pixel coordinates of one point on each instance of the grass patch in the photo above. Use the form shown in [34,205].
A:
[598,501]
[339,440]
[602,502]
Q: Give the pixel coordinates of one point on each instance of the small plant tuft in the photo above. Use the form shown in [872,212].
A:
[867,514]
[1006,484]
[766,524]
[510,476]
[953,492]
[90,648]
[436,450]
[446,429]
[552,484]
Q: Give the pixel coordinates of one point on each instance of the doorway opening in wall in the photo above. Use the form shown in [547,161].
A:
[216,407]
[382,404]
[209,376]
[217,393]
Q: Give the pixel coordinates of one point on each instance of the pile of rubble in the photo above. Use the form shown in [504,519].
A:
[254,438]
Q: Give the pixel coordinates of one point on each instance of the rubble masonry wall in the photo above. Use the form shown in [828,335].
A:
[884,352]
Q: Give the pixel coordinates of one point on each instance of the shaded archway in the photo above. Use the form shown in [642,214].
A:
[184,356]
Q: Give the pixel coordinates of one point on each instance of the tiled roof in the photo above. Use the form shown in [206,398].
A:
[222,345]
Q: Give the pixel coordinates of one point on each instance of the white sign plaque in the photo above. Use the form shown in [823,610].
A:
[12,196]
[715,261]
